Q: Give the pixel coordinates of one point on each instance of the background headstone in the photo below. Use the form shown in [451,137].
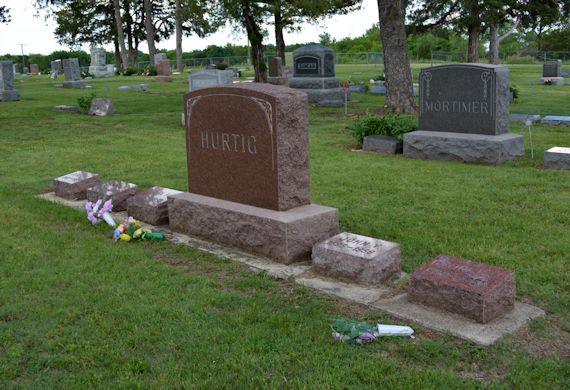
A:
[101,107]
[98,67]
[164,71]
[7,91]
[72,73]
[34,69]
[210,78]
[74,185]
[56,68]
[552,68]
[276,71]
[159,57]
[557,158]
[314,73]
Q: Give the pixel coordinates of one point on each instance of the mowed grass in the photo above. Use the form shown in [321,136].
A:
[80,311]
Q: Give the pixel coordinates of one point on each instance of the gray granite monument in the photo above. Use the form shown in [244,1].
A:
[56,69]
[210,78]
[464,116]
[314,73]
[98,67]
[7,91]
[72,74]
[159,57]
[557,158]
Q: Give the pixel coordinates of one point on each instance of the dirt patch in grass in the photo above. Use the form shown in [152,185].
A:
[548,342]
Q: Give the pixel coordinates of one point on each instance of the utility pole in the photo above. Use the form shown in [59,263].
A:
[23,61]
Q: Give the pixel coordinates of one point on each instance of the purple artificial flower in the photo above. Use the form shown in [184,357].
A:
[365,338]
[89,206]
[92,218]
[107,207]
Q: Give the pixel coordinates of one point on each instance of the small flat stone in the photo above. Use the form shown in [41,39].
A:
[525,117]
[65,108]
[382,144]
[151,206]
[118,191]
[378,90]
[556,120]
[74,185]
[124,88]
[475,290]
[357,88]
[557,158]
[355,258]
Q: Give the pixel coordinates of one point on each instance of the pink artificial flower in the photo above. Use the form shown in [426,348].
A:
[365,338]
[337,336]
[89,206]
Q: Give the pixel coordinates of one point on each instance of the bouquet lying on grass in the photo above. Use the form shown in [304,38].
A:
[354,332]
[128,231]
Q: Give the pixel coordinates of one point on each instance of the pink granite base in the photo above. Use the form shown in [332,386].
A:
[283,236]
[475,290]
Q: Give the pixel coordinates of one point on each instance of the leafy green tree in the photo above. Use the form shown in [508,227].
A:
[4,14]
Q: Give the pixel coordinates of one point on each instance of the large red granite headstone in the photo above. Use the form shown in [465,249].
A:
[478,291]
[248,173]
[249,144]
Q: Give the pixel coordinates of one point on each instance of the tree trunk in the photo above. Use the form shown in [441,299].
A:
[130,33]
[120,35]
[493,45]
[473,44]
[256,39]
[399,86]
[117,52]
[150,33]
[178,20]
[279,39]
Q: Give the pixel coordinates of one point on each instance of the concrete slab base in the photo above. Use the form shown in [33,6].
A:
[556,120]
[461,147]
[380,297]
[456,325]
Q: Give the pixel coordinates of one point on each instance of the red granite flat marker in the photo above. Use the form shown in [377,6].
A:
[478,291]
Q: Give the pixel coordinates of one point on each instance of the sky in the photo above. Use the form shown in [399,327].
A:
[36,34]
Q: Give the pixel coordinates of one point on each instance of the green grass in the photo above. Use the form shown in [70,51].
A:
[80,311]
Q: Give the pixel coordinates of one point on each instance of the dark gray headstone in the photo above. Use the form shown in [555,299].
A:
[159,57]
[552,68]
[465,98]
[382,144]
[7,91]
[313,61]
[378,90]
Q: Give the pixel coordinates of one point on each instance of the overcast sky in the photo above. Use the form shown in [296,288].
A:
[37,34]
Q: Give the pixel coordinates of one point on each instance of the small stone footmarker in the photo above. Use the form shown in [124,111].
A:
[556,120]
[74,185]
[477,291]
[151,206]
[355,258]
[118,191]
[557,158]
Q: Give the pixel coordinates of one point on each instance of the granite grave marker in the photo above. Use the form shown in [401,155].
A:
[118,191]
[355,258]
[74,185]
[475,290]
[464,116]
[34,69]
[7,91]
[72,74]
[151,206]
[248,173]
[557,158]
[314,73]
[164,71]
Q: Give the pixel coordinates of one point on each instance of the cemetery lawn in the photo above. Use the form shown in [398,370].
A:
[80,311]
